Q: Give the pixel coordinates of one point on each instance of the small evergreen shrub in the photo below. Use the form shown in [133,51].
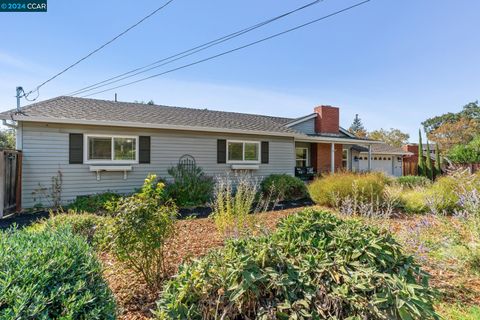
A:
[96,203]
[190,186]
[315,266]
[414,200]
[413,181]
[143,223]
[51,274]
[441,197]
[328,189]
[284,187]
[96,230]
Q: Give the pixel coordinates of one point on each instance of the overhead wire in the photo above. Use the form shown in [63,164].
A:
[233,50]
[186,53]
[97,49]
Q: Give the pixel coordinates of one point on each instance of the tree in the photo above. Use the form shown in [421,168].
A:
[438,161]
[421,158]
[452,128]
[450,134]
[470,111]
[393,137]
[7,139]
[429,167]
[357,128]
[469,153]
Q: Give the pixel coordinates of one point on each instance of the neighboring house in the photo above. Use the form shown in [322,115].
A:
[99,145]
[410,162]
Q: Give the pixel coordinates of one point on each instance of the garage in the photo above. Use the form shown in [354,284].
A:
[385,158]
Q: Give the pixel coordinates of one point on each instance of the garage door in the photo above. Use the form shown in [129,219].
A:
[379,163]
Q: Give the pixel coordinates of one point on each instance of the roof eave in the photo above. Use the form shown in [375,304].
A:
[301,119]
[302,138]
[147,125]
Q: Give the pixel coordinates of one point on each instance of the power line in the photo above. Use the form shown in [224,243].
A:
[99,48]
[233,50]
[186,53]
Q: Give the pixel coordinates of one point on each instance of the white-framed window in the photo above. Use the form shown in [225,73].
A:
[243,151]
[100,148]
[301,157]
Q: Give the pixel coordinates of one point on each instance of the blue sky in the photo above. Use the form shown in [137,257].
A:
[395,63]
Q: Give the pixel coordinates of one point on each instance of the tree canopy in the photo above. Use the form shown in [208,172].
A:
[469,153]
[357,128]
[7,139]
[469,111]
[393,137]
[451,129]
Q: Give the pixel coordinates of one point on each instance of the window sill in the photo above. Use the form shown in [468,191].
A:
[111,168]
[245,167]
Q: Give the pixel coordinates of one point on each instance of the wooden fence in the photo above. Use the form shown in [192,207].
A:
[10,181]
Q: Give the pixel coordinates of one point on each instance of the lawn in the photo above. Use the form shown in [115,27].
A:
[459,289]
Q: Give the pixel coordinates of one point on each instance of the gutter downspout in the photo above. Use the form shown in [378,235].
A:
[10,125]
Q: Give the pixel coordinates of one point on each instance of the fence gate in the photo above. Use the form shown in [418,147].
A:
[10,181]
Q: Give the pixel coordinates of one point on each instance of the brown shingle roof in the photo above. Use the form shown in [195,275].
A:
[71,108]
[382,148]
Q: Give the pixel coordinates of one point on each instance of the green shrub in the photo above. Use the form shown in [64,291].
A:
[441,197]
[97,230]
[326,190]
[51,274]
[413,181]
[190,186]
[96,203]
[144,221]
[414,200]
[469,153]
[315,266]
[284,187]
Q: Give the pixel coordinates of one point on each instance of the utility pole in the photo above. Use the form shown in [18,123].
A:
[19,95]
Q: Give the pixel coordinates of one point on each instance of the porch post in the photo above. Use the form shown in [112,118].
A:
[369,157]
[332,159]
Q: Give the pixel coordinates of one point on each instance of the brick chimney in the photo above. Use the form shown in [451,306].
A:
[327,120]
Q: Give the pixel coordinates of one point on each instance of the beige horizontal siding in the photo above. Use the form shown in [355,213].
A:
[45,148]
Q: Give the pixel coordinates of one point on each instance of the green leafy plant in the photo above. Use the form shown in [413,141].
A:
[51,274]
[414,200]
[100,203]
[315,266]
[328,189]
[144,222]
[96,230]
[466,153]
[285,187]
[413,181]
[190,186]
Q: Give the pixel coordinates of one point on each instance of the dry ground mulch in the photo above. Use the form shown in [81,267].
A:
[196,237]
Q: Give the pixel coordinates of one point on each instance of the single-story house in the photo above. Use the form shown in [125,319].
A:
[99,145]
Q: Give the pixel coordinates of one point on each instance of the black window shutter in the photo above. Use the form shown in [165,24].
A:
[265,152]
[144,149]
[76,148]
[221,151]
